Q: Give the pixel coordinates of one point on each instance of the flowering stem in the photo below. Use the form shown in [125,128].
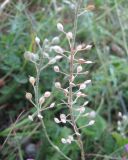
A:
[70,98]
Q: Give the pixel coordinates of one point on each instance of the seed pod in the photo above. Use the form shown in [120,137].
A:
[47,94]
[32,80]
[28,96]
[60,27]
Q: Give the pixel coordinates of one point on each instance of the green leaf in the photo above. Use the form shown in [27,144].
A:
[121,141]
[95,130]
[21,78]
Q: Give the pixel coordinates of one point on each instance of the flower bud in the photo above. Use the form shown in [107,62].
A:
[28,96]
[69,141]
[39,116]
[87,81]
[79,47]
[37,40]
[46,41]
[70,137]
[56,120]
[55,40]
[57,49]
[58,57]
[80,94]
[92,114]
[56,69]
[91,122]
[79,69]
[52,105]
[32,80]
[63,140]
[30,117]
[88,62]
[82,86]
[57,85]
[88,47]
[63,118]
[69,35]
[81,109]
[47,94]
[85,103]
[31,56]
[41,100]
[120,114]
[60,27]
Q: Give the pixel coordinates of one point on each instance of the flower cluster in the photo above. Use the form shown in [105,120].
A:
[75,111]
[122,124]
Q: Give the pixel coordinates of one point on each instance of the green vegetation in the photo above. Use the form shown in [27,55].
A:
[105,27]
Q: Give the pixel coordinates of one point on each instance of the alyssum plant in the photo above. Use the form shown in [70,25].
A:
[73,92]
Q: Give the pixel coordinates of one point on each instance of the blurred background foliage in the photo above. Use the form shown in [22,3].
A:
[105,26]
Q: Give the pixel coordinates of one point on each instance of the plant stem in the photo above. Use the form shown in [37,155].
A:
[70,98]
[52,144]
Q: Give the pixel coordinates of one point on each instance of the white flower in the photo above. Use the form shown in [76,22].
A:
[47,94]
[56,69]
[57,85]
[63,118]
[28,96]
[85,103]
[63,140]
[88,81]
[88,47]
[52,105]
[91,122]
[79,69]
[46,41]
[37,40]
[120,114]
[88,62]
[56,120]
[41,100]
[57,49]
[31,56]
[60,27]
[70,137]
[30,117]
[55,40]
[81,109]
[69,141]
[58,57]
[70,35]
[79,94]
[79,47]
[39,116]
[32,80]
[92,114]
[82,86]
